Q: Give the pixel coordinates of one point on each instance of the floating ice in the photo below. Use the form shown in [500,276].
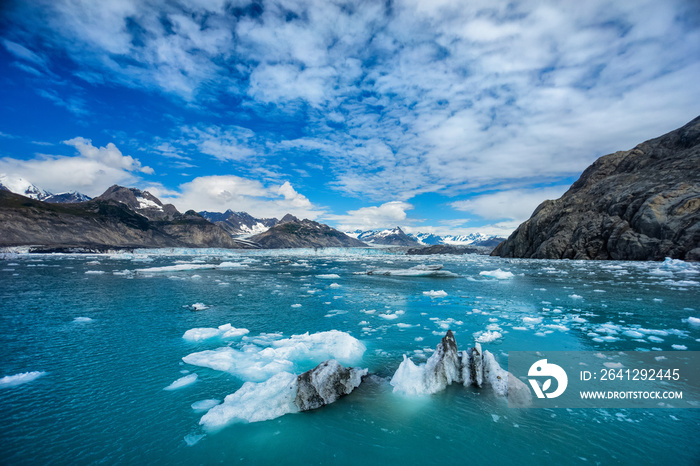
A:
[328,275]
[694,320]
[190,266]
[267,355]
[416,271]
[199,307]
[193,439]
[633,334]
[224,331]
[498,273]
[488,336]
[255,402]
[679,347]
[575,296]
[532,320]
[19,379]
[182,382]
[204,405]
[82,320]
[334,285]
[296,305]
[435,294]
[94,272]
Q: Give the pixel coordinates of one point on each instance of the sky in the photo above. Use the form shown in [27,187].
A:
[441,116]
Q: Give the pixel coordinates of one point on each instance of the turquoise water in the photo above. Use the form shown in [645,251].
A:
[101,396]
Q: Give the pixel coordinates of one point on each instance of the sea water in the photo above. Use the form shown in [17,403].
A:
[121,358]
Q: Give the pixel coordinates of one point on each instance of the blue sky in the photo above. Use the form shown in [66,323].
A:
[440,116]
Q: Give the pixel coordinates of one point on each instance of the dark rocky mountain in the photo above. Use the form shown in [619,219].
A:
[141,202]
[291,232]
[105,222]
[239,223]
[640,204]
[71,197]
[391,237]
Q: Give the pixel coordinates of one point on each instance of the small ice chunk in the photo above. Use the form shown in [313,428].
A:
[94,272]
[200,307]
[296,305]
[205,405]
[435,294]
[575,296]
[334,285]
[182,382]
[328,275]
[19,379]
[532,320]
[488,336]
[679,347]
[613,365]
[82,320]
[694,320]
[498,273]
[633,334]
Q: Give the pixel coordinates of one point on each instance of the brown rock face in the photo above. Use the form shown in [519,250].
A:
[641,204]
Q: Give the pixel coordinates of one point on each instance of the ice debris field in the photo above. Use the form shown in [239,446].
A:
[207,345]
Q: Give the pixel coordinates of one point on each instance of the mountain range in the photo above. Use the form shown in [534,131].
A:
[243,228]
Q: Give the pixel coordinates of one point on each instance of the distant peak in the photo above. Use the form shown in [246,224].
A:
[289,218]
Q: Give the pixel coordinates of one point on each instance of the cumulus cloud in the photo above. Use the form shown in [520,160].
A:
[387,215]
[90,171]
[223,192]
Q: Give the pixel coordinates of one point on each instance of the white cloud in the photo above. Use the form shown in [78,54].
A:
[515,204]
[399,98]
[222,192]
[92,171]
[387,215]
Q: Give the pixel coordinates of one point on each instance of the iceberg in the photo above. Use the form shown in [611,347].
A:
[471,367]
[285,393]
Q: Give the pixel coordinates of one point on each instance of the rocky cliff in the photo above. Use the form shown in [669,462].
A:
[291,232]
[104,222]
[640,204]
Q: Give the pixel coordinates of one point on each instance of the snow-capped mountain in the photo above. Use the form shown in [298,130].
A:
[70,197]
[239,224]
[396,237]
[389,237]
[19,185]
[429,239]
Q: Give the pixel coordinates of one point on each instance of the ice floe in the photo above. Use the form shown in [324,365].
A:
[223,331]
[82,320]
[416,271]
[261,357]
[498,273]
[435,294]
[19,379]
[204,405]
[182,382]
[328,276]
[199,307]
